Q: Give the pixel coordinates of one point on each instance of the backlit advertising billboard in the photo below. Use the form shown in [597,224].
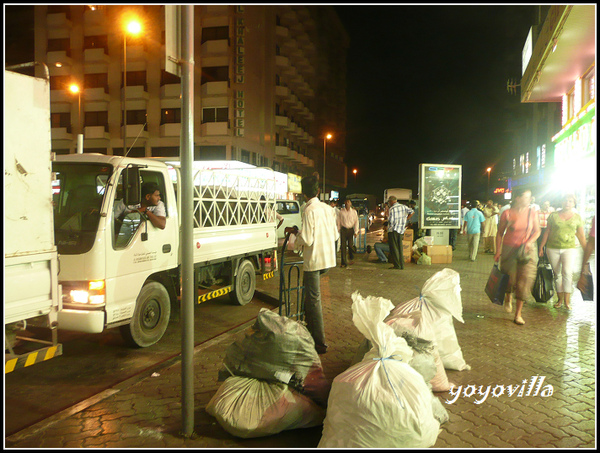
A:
[439,196]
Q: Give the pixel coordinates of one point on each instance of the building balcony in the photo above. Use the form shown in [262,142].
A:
[59,56]
[282,121]
[282,62]
[135,131]
[221,128]
[96,95]
[61,133]
[170,91]
[136,93]
[62,97]
[95,133]
[136,53]
[214,89]
[216,47]
[94,18]
[58,20]
[170,130]
[281,31]
[291,127]
[283,152]
[281,91]
[96,56]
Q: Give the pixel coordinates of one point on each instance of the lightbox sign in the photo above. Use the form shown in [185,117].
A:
[439,200]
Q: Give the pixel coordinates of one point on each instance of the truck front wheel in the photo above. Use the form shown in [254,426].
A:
[151,316]
[244,283]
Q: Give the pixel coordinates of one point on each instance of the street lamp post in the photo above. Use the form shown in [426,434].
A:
[133,27]
[74,88]
[489,170]
[327,137]
[355,171]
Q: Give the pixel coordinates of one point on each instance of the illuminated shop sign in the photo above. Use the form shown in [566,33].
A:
[578,140]
[440,186]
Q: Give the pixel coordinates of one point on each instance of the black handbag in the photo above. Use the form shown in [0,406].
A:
[543,288]
[587,288]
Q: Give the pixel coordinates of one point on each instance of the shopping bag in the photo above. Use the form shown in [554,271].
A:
[587,285]
[496,285]
[543,287]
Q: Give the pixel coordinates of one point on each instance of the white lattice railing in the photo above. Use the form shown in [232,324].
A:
[233,197]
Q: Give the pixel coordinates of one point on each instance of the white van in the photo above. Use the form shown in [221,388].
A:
[290,210]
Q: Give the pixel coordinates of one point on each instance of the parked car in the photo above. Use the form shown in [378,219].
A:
[290,210]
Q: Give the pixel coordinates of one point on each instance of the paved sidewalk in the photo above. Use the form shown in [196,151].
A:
[556,345]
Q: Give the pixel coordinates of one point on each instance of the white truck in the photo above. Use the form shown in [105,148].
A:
[121,271]
[402,195]
[32,294]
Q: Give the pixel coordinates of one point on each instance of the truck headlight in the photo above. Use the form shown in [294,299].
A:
[91,292]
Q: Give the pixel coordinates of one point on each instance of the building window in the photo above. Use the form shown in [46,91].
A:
[170,116]
[60,82]
[214,33]
[99,80]
[166,78]
[136,78]
[136,117]
[96,42]
[61,120]
[96,119]
[589,86]
[215,74]
[215,115]
[57,9]
[60,44]
[165,151]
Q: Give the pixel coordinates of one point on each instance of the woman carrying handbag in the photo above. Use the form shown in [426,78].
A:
[516,248]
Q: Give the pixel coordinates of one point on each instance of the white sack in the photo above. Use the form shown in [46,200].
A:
[247,407]
[439,302]
[413,322]
[381,402]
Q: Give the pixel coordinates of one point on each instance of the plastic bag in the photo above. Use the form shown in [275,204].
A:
[413,322]
[278,349]
[438,303]
[381,402]
[543,288]
[247,407]
[424,259]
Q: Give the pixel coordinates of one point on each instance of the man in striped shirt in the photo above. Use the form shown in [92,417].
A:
[399,215]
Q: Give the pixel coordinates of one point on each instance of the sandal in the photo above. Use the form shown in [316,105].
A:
[558,304]
[519,321]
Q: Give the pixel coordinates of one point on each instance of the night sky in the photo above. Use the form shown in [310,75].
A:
[425,84]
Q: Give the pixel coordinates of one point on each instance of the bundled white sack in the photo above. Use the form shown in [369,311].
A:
[413,322]
[381,402]
[439,302]
[278,349]
[247,407]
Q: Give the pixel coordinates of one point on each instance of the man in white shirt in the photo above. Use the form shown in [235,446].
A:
[317,238]
[398,216]
[347,224]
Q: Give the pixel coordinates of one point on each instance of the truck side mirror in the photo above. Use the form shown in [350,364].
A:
[131,186]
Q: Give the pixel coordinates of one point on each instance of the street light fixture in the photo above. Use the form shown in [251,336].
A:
[133,27]
[327,137]
[74,88]
[489,170]
[355,171]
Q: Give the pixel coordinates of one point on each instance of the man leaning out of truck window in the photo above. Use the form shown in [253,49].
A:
[151,206]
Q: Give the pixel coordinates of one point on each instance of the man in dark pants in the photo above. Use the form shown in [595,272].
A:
[347,223]
[317,239]
[398,217]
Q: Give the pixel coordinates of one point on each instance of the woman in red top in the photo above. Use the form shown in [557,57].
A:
[516,248]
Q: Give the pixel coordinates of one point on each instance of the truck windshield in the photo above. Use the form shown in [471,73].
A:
[77,193]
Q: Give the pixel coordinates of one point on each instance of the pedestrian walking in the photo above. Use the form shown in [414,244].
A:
[399,214]
[347,223]
[559,240]
[472,224]
[490,227]
[317,240]
[516,249]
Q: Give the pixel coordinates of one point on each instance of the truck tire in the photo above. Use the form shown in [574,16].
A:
[150,318]
[244,283]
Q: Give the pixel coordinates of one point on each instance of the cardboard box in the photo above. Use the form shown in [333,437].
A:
[439,254]
[407,251]
[409,234]
[433,250]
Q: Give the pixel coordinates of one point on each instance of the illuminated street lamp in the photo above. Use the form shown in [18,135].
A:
[134,28]
[327,137]
[489,170]
[355,171]
[74,88]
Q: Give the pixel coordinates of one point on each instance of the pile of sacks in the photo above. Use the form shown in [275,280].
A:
[386,399]
[273,380]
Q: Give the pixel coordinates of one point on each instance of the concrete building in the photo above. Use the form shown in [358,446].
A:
[269,84]
[559,72]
